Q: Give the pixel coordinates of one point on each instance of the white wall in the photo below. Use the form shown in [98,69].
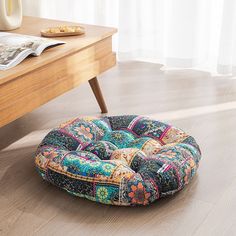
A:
[104,12]
[31,8]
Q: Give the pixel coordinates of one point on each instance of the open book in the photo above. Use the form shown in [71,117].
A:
[14,48]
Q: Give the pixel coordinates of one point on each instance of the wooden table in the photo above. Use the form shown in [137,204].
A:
[38,80]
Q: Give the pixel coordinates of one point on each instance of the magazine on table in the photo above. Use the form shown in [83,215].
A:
[14,48]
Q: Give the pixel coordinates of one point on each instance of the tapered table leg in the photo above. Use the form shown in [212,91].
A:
[98,94]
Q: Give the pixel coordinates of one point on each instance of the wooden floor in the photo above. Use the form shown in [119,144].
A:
[201,105]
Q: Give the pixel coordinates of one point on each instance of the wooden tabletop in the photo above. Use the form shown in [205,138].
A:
[33,26]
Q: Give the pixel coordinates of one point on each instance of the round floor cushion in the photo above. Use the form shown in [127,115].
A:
[119,160]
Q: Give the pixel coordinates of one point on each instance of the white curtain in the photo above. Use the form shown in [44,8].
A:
[198,34]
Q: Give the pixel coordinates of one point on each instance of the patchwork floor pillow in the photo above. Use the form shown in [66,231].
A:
[119,160]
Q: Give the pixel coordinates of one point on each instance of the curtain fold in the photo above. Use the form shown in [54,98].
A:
[198,34]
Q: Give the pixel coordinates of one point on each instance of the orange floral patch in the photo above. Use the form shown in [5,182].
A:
[84,131]
[139,195]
